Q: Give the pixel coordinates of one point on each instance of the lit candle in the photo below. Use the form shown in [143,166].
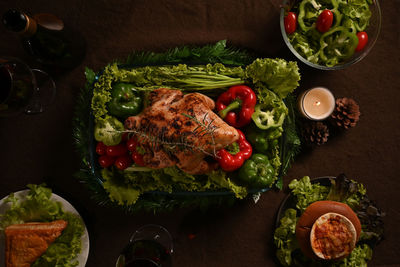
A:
[317,103]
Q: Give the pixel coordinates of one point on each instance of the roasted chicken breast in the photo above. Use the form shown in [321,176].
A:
[181,130]
[26,242]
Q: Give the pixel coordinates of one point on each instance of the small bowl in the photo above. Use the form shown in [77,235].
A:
[372,30]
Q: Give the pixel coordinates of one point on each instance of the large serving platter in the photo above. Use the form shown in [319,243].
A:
[86,143]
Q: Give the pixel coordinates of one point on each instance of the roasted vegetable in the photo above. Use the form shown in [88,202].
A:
[257,171]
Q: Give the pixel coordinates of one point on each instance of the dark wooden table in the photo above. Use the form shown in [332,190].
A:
[36,149]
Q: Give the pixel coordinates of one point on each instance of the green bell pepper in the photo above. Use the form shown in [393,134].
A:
[263,140]
[257,171]
[108,131]
[125,101]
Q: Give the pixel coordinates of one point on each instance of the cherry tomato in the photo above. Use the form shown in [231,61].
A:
[101,148]
[324,21]
[137,158]
[123,162]
[131,144]
[290,22]
[362,41]
[106,161]
[117,150]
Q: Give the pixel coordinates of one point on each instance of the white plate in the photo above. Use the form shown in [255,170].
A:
[82,257]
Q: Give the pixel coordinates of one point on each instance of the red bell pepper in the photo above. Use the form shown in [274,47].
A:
[229,162]
[239,96]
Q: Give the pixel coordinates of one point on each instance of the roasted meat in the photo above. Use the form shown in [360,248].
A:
[25,243]
[181,130]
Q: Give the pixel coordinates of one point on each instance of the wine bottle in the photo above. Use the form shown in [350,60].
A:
[45,37]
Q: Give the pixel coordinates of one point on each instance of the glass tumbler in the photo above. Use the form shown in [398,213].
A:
[22,89]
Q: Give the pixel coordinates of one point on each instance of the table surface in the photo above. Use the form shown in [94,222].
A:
[39,148]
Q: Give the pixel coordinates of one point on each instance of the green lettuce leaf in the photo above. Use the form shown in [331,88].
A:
[358,257]
[125,187]
[278,75]
[307,193]
[285,238]
[346,191]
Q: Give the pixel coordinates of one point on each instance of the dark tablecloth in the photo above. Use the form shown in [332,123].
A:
[36,149]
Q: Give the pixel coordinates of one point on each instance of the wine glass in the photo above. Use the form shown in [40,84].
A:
[23,89]
[150,246]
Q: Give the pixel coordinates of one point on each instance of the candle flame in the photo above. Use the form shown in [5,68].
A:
[317,103]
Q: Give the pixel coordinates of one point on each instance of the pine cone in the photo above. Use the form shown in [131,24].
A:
[346,113]
[316,132]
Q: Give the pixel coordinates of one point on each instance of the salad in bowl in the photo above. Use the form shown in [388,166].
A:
[330,34]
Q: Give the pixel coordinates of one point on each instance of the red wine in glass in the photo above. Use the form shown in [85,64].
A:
[143,253]
[150,246]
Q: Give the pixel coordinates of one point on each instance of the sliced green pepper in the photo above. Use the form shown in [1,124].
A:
[108,131]
[125,101]
[350,25]
[337,44]
[307,16]
[266,116]
[257,171]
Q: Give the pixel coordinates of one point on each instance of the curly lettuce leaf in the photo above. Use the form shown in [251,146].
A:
[278,75]
[285,238]
[307,193]
[102,94]
[67,246]
[346,191]
[125,187]
[358,11]
[358,257]
[38,207]
[220,179]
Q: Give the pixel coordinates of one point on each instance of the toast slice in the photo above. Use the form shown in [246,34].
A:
[26,242]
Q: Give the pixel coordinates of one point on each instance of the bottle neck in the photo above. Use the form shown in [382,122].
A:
[30,27]
[17,21]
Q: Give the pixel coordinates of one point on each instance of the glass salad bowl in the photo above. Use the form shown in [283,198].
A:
[332,57]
